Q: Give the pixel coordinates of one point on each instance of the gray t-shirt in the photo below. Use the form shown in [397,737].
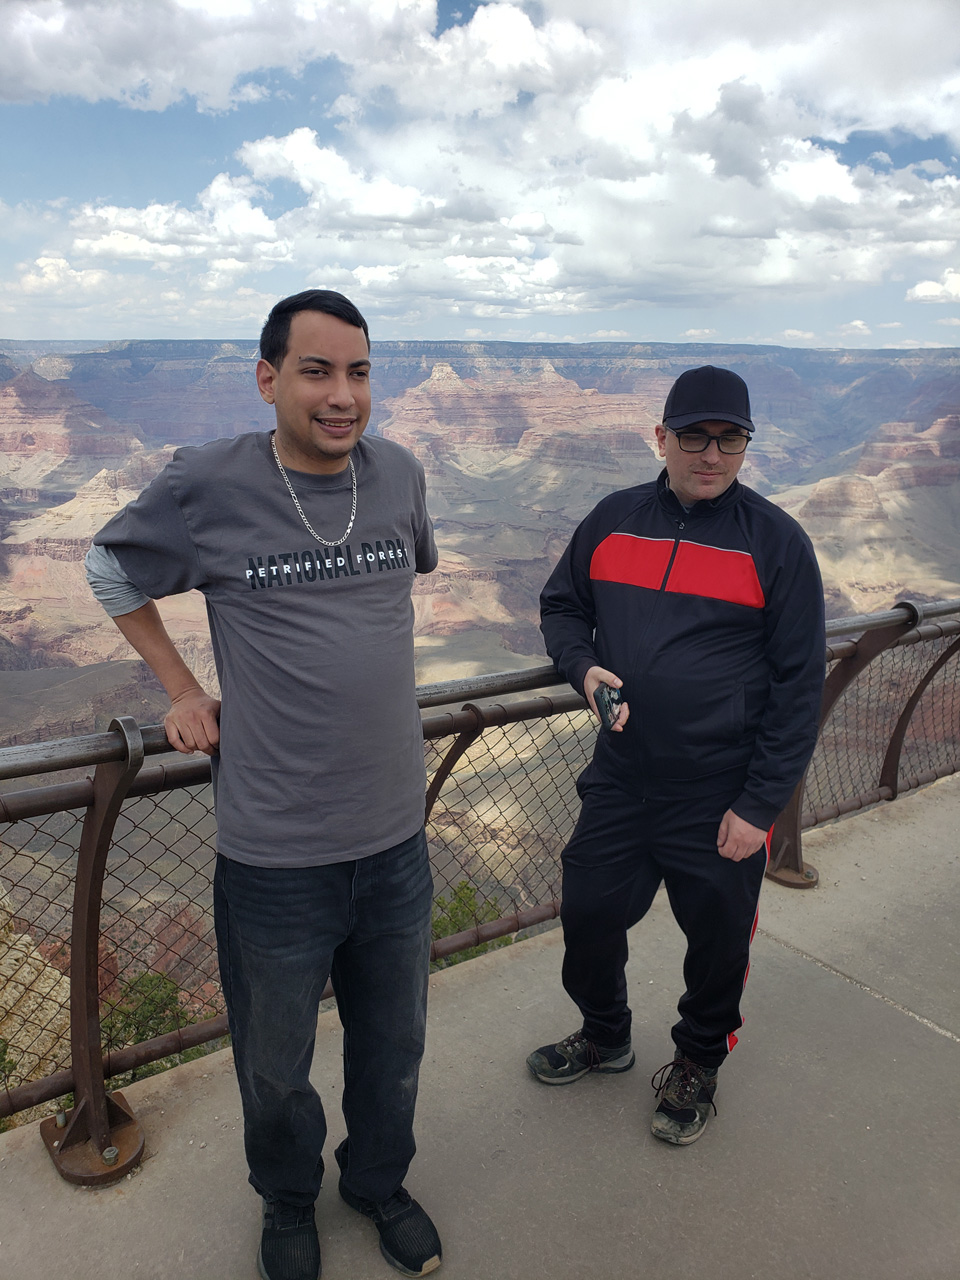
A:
[321,750]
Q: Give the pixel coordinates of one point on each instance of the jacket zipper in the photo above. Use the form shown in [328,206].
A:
[663,586]
[673,555]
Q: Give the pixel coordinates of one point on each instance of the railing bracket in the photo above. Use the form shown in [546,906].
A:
[74,1150]
[808,878]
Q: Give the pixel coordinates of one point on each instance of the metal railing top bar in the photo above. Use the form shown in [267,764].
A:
[926,631]
[471,717]
[180,771]
[496,685]
[75,753]
[100,748]
[904,612]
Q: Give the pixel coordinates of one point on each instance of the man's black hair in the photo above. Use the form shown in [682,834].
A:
[275,335]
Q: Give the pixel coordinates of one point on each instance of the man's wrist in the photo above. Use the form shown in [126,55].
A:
[580,672]
[752,811]
[185,691]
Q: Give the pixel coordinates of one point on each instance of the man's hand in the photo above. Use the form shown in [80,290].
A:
[193,722]
[597,676]
[738,839]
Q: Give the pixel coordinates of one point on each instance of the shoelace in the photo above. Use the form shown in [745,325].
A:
[679,1083]
[287,1217]
[579,1041]
[398,1202]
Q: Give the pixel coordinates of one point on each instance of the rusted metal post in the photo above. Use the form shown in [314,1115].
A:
[101,1140]
[463,743]
[786,865]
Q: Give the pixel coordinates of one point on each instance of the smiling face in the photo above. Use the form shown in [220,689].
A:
[321,392]
[695,477]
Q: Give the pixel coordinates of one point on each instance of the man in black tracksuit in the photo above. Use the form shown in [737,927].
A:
[701,602]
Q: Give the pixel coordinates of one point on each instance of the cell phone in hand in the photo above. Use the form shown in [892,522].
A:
[609,702]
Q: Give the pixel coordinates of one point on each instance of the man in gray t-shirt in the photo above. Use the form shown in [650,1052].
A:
[304,542]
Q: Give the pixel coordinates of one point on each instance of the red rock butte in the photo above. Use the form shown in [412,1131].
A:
[37,416]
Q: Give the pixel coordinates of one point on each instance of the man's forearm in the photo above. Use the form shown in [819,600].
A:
[144,629]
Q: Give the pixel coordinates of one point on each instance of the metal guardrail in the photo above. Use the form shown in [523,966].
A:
[870,657]
[113,870]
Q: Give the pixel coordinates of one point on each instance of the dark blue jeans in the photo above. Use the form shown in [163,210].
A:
[281,933]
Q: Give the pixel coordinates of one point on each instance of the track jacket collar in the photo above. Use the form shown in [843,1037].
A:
[704,508]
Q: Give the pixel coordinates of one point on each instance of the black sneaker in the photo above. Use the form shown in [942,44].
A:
[289,1247]
[408,1239]
[685,1090]
[574,1057]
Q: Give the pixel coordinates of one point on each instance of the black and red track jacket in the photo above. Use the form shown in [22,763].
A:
[713,620]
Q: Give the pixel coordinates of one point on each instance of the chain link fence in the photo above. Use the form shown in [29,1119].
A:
[157,965]
[496,828]
[507,809]
[854,740]
[37,862]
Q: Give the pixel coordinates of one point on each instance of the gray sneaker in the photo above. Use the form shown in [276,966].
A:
[576,1055]
[686,1091]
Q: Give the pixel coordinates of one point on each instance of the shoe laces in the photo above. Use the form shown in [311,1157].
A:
[395,1205]
[679,1082]
[579,1045]
[282,1216]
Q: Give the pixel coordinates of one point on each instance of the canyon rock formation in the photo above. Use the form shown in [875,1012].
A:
[518,441]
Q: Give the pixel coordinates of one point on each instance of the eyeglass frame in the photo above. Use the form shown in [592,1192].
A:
[732,434]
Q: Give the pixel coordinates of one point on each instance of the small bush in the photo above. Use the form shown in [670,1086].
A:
[461,911]
[148,1006]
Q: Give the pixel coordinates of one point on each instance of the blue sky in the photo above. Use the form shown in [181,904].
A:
[736,172]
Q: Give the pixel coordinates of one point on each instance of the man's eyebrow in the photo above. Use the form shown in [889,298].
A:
[328,364]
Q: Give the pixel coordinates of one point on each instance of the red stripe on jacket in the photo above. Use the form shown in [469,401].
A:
[721,575]
[636,562]
[696,570]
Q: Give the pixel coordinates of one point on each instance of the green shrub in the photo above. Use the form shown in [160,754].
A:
[461,911]
[148,1006]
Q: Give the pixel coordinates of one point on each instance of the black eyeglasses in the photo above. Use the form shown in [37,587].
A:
[698,441]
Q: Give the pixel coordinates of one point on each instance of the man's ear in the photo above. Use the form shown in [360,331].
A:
[661,439]
[266,381]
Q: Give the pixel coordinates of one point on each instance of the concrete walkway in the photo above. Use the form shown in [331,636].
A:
[835,1155]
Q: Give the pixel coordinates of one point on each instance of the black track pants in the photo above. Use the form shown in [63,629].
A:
[620,851]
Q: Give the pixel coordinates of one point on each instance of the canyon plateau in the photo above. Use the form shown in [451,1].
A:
[518,442]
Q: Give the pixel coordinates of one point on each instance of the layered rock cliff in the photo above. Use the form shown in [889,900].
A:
[519,441]
[890,527]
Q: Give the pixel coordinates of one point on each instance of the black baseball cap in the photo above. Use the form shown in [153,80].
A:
[707,394]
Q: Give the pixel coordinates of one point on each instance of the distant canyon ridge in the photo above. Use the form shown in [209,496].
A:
[519,441]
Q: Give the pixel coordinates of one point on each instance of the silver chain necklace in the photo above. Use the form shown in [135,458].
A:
[296,500]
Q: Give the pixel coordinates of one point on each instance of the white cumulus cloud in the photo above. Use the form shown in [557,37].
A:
[226,224]
[538,160]
[946,289]
[56,276]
